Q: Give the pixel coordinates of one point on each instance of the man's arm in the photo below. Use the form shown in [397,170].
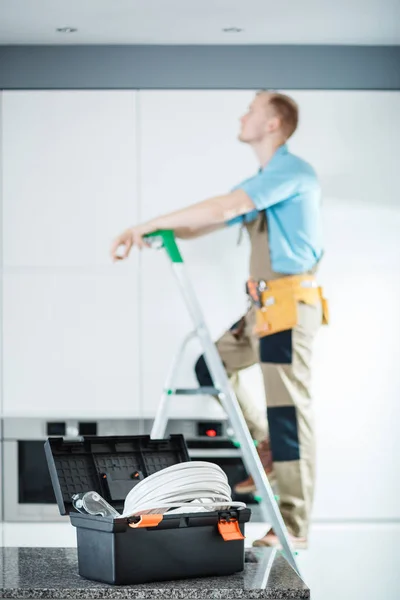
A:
[185,233]
[192,221]
[215,211]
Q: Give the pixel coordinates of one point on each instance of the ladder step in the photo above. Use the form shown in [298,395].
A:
[201,391]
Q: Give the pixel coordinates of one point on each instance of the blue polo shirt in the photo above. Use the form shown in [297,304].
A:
[287,189]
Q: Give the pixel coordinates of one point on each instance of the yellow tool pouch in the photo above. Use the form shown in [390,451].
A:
[278,310]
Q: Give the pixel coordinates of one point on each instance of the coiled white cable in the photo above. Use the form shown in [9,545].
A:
[185,487]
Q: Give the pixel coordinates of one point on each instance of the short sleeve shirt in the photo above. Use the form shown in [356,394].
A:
[287,189]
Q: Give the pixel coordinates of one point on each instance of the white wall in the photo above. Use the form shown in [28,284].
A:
[79,332]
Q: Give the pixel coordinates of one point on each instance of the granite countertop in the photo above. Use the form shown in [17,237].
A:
[53,573]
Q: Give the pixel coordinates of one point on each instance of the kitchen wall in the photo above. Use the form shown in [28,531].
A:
[86,337]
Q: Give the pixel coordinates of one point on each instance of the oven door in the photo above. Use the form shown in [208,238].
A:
[27,488]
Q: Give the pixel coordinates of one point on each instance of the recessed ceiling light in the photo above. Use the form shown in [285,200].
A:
[232,29]
[66,30]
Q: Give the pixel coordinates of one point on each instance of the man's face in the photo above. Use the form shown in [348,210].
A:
[258,122]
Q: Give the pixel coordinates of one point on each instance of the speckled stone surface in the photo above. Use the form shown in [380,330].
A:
[53,573]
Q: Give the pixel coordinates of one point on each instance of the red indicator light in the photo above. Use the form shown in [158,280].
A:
[211,433]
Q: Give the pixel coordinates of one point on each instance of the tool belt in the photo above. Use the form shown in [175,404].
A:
[276,302]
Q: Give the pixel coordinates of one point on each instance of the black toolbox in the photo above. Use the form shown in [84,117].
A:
[125,551]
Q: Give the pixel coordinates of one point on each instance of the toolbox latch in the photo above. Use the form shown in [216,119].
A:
[230,530]
[147,521]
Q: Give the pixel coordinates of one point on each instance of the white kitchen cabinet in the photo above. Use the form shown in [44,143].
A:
[70,317]
[69,175]
[82,334]
[189,152]
[351,139]
[71,345]
[356,375]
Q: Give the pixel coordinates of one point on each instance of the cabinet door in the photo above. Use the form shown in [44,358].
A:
[70,316]
[189,152]
[351,139]
[70,345]
[69,180]
[356,374]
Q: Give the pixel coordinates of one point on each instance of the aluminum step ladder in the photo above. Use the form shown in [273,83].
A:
[222,390]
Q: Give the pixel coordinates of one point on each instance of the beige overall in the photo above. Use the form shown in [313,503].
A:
[285,361]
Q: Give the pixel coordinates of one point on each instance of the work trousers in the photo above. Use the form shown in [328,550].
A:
[285,362]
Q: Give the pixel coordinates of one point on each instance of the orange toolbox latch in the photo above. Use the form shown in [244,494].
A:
[229,529]
[147,521]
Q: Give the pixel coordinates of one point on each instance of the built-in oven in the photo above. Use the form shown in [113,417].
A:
[27,489]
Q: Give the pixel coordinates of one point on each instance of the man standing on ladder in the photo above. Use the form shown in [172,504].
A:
[280,208]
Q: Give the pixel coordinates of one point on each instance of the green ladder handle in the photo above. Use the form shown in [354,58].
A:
[166,238]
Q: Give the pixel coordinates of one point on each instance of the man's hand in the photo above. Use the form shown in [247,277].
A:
[129,238]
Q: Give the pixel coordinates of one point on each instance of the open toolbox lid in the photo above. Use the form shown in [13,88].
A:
[111,466]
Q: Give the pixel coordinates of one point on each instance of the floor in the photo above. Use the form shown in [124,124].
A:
[346,561]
